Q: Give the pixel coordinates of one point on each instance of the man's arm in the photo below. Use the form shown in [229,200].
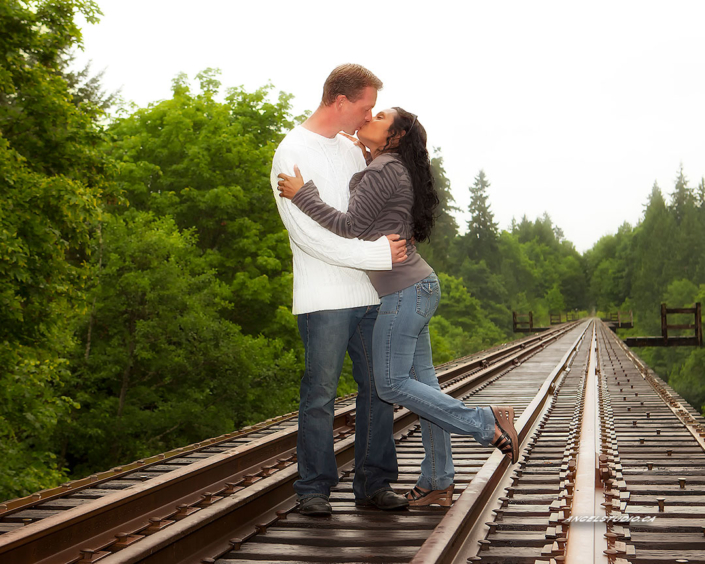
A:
[321,243]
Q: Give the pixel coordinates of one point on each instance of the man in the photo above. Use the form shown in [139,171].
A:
[335,303]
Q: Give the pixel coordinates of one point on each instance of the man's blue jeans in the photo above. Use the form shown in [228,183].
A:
[404,374]
[326,336]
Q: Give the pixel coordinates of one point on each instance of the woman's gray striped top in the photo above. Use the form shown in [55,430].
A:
[381,197]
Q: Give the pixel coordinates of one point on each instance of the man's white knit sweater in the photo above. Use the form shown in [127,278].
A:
[328,270]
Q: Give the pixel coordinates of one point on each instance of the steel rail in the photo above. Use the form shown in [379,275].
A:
[656,499]
[586,543]
[445,372]
[235,519]
[231,522]
[55,538]
[443,544]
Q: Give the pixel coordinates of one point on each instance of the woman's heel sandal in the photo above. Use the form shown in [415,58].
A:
[508,440]
[418,497]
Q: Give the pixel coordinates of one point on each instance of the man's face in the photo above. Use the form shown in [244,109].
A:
[355,114]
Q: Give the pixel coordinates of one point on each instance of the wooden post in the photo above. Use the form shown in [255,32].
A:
[664,323]
[699,324]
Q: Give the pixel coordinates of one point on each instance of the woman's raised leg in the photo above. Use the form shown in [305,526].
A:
[402,317]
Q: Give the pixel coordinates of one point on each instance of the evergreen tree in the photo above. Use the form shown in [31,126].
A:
[700,194]
[482,235]
[700,203]
[652,256]
[682,197]
[437,251]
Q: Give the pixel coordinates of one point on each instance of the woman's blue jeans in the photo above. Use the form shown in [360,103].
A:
[404,374]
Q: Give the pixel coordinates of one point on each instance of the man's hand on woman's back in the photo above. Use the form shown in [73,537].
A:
[398,247]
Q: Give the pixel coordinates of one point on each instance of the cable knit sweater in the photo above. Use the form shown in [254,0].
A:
[328,270]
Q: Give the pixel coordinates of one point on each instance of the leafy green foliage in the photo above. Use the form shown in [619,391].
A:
[32,405]
[660,260]
[438,249]
[206,163]
[165,367]
[460,326]
[145,275]
[51,180]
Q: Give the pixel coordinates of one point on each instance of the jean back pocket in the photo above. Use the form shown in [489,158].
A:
[428,295]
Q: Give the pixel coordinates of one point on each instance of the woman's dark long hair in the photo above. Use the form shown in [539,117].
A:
[413,153]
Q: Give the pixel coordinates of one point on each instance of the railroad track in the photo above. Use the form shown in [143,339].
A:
[84,521]
[231,499]
[654,461]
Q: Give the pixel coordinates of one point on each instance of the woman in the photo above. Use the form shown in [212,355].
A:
[396,194]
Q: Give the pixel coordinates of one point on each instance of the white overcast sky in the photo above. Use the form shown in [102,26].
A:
[571,108]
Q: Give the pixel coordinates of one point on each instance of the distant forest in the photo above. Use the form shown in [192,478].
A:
[145,275]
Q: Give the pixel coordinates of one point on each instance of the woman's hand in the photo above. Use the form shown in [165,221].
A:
[288,186]
[356,141]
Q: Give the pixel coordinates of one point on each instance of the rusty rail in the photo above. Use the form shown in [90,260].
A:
[345,410]
[448,542]
[148,505]
[601,433]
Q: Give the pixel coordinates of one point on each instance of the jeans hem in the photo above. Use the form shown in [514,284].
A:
[311,496]
[427,483]
[384,489]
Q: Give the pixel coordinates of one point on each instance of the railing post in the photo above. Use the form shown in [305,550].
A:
[664,323]
[699,324]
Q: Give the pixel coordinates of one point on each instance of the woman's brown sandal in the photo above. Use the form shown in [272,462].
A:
[418,497]
[508,440]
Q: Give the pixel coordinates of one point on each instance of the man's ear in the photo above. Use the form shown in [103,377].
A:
[339,100]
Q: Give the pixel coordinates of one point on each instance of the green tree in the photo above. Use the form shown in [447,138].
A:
[480,241]
[518,271]
[551,264]
[437,251]
[700,193]
[682,198]
[460,308]
[609,267]
[555,300]
[165,367]
[661,260]
[206,163]
[52,176]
